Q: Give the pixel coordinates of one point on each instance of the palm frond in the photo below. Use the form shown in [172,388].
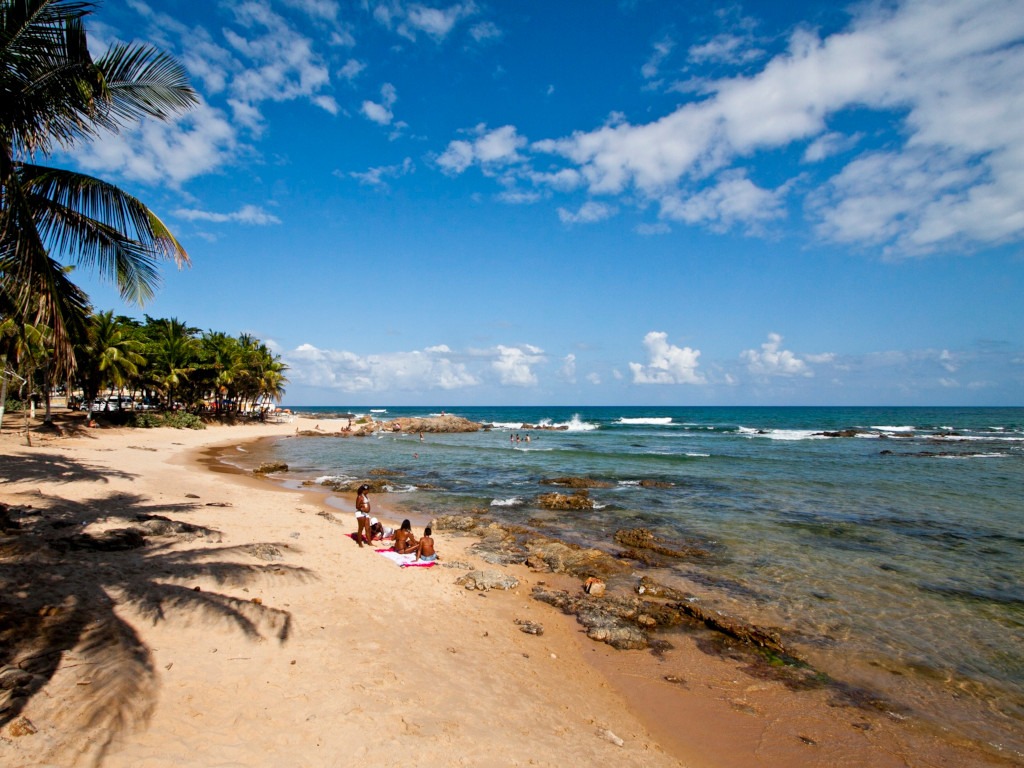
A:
[140,80]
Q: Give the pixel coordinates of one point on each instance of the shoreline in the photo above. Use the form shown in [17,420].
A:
[567,702]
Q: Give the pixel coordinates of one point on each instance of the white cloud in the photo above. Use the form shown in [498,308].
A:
[376,177]
[667,363]
[431,368]
[568,370]
[317,9]
[662,49]
[725,48]
[381,113]
[594,379]
[352,69]
[658,228]
[588,213]
[946,73]
[409,19]
[484,31]
[247,214]
[513,364]
[733,200]
[165,152]
[773,361]
[490,149]
[830,144]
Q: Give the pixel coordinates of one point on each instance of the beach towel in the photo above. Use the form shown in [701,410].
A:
[404,561]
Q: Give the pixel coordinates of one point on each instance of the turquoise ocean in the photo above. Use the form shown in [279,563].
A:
[892,558]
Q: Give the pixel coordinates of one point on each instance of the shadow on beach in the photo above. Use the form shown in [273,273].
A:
[62,590]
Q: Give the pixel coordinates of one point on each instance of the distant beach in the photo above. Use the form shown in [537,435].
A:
[251,626]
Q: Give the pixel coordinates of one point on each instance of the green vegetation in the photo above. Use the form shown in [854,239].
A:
[55,97]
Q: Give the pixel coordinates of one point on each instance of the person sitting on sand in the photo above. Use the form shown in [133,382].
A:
[425,548]
[363,515]
[379,531]
[405,542]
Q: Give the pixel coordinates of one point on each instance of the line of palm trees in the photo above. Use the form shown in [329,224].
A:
[55,96]
[169,359]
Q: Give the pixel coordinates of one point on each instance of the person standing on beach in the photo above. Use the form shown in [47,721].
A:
[363,515]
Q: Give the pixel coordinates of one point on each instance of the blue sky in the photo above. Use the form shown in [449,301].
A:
[635,202]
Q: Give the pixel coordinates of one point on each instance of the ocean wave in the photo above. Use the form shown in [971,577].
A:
[507,424]
[575,424]
[895,429]
[514,501]
[699,455]
[652,421]
[325,479]
[782,434]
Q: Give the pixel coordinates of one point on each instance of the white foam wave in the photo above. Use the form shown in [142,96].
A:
[575,424]
[781,434]
[506,502]
[324,479]
[895,429]
[699,455]
[652,421]
[378,410]
[978,456]
[507,424]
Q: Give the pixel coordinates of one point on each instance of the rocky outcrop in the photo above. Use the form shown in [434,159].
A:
[454,523]
[577,482]
[269,467]
[377,485]
[639,540]
[432,424]
[546,554]
[625,622]
[489,579]
[575,502]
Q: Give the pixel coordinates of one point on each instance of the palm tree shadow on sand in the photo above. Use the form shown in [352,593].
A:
[59,588]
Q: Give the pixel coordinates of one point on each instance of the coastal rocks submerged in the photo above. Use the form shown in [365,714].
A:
[574,502]
[642,539]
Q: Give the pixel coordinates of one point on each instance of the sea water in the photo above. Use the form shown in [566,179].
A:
[892,557]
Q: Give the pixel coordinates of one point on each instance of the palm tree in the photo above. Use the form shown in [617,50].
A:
[53,94]
[110,358]
[171,355]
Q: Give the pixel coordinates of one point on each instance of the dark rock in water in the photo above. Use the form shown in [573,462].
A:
[433,424]
[651,588]
[377,485]
[621,621]
[387,472]
[655,484]
[269,467]
[577,501]
[840,433]
[545,427]
[454,523]
[577,482]
[641,538]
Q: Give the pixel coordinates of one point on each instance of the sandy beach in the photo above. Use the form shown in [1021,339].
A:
[248,629]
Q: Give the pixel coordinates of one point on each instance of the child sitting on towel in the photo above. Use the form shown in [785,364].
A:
[405,542]
[425,548]
[379,532]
